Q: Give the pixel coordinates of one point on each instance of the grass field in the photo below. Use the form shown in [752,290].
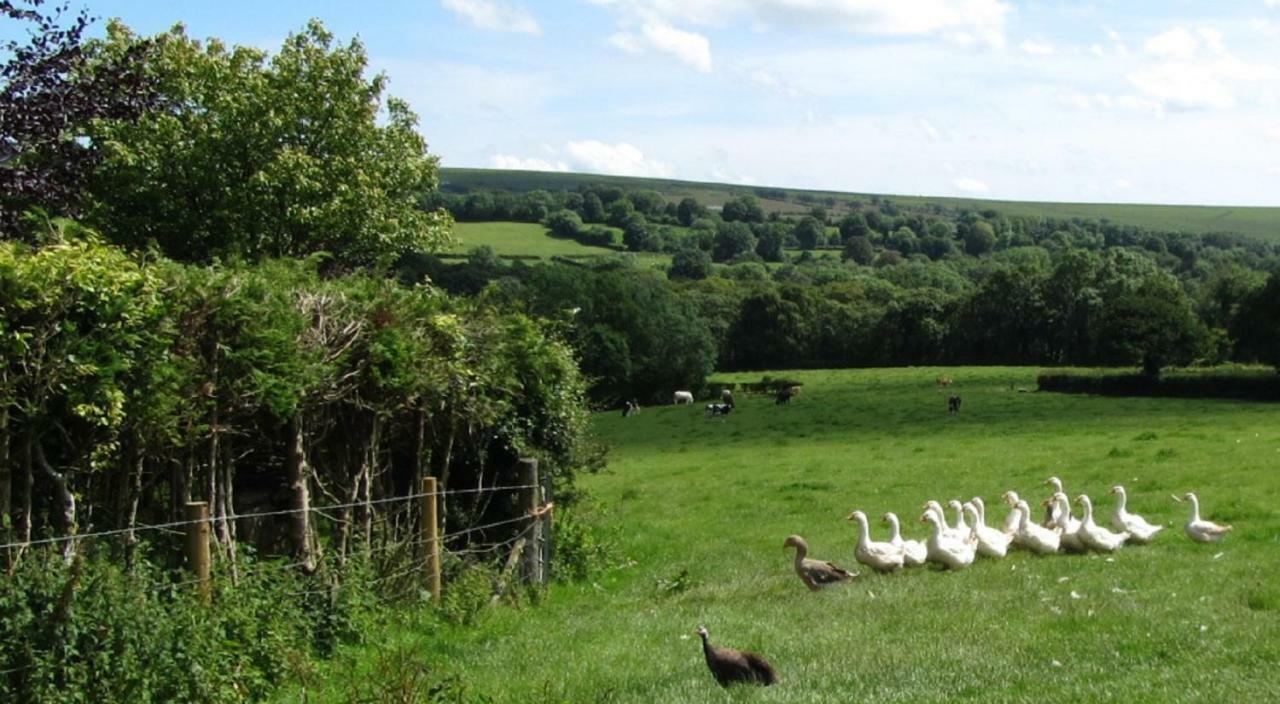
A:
[531,239]
[1173,621]
[1257,222]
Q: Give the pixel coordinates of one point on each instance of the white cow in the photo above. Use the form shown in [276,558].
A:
[682,397]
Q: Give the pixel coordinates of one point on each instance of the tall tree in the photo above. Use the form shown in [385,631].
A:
[286,156]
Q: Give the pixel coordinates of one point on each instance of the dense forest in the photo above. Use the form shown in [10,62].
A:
[869,284]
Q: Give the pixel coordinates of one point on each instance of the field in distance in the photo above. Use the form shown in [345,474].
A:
[700,508]
[532,240]
[1253,221]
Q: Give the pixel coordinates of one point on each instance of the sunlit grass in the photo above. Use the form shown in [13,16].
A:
[1173,621]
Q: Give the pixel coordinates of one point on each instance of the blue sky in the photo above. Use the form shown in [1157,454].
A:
[1109,100]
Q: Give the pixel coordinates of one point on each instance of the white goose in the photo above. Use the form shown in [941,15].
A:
[879,556]
[1067,525]
[1014,518]
[935,508]
[914,552]
[1053,515]
[1034,536]
[1095,536]
[1140,531]
[948,552]
[1197,528]
[991,542]
[956,506]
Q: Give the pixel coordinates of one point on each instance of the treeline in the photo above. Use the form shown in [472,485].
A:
[641,333]
[877,231]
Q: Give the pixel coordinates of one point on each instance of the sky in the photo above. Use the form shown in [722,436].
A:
[1169,101]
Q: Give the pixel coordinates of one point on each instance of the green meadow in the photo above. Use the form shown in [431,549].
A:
[698,508]
[531,239]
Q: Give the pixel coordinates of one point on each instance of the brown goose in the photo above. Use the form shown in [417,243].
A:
[731,666]
[815,573]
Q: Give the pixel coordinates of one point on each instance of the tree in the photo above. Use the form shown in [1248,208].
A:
[1152,325]
[648,202]
[592,208]
[689,210]
[810,233]
[979,238]
[565,223]
[637,236]
[859,250]
[1256,326]
[690,263]
[903,240]
[853,225]
[770,239]
[744,209]
[51,89]
[732,239]
[289,156]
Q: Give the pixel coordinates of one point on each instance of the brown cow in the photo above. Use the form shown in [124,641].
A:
[944,381]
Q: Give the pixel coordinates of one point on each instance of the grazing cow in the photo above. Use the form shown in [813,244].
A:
[635,407]
[626,409]
[726,397]
[719,409]
[630,408]
[944,381]
[682,397]
[953,404]
[785,395]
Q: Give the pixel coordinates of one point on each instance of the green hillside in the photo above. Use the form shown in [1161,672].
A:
[1256,222]
[522,239]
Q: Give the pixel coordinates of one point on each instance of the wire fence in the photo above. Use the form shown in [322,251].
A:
[393,551]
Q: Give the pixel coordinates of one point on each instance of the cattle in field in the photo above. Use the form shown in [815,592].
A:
[726,397]
[719,409]
[944,381]
[785,395]
[953,404]
[682,397]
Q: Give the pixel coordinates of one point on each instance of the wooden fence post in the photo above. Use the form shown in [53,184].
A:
[197,516]
[548,532]
[431,536]
[530,500]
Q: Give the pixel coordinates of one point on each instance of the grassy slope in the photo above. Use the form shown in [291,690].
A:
[531,239]
[1258,222]
[1174,621]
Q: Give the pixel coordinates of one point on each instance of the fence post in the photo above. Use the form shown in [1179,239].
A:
[197,516]
[431,536]
[548,532]
[529,502]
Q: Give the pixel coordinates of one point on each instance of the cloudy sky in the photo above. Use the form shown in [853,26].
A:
[1169,101]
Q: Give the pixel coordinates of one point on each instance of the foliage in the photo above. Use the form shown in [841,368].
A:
[690,264]
[283,156]
[51,90]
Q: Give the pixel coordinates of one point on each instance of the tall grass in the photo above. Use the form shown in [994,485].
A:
[702,506]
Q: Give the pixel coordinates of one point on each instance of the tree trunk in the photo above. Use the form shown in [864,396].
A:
[298,473]
[133,489]
[368,472]
[66,499]
[6,481]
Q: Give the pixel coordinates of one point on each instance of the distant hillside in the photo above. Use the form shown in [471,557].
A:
[1257,222]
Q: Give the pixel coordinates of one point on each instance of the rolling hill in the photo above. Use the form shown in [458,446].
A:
[1258,222]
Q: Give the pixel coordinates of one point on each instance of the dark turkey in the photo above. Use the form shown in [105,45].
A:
[729,666]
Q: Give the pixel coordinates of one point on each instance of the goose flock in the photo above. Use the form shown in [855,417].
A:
[956,545]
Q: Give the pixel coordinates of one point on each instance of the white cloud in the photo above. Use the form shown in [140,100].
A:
[1097,50]
[1122,183]
[1271,3]
[506,161]
[1273,132]
[621,159]
[1177,43]
[929,130]
[963,21]
[494,16]
[689,47]
[1273,170]
[1195,72]
[970,185]
[1037,48]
